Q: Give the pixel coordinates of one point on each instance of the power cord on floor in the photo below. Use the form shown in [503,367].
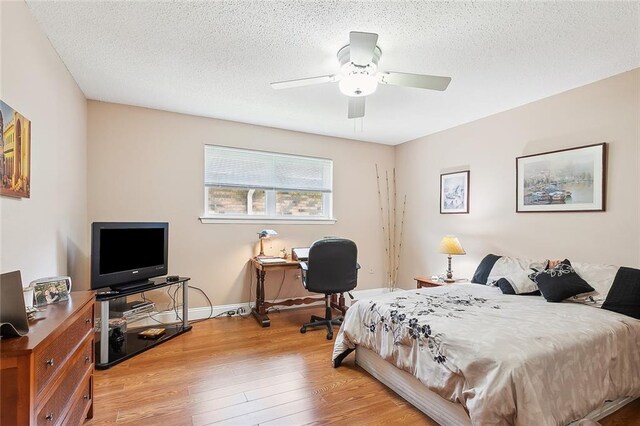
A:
[173,308]
[210,306]
[175,300]
[172,293]
[175,305]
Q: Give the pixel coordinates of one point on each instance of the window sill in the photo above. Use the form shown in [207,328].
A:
[269,220]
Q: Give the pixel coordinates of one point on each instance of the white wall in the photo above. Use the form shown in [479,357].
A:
[605,111]
[147,165]
[46,234]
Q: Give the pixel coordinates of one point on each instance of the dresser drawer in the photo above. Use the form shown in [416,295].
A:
[81,403]
[52,411]
[49,359]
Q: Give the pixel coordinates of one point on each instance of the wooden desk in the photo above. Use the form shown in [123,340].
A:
[260,309]
[428,282]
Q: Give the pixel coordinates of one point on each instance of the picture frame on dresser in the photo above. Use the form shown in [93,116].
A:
[454,192]
[50,290]
[566,180]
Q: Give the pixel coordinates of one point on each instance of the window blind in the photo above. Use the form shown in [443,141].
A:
[243,168]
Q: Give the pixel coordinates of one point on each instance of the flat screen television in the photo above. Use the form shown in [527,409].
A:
[127,254]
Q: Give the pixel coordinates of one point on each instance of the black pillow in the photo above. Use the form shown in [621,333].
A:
[561,282]
[533,276]
[624,296]
[484,268]
[506,288]
[536,272]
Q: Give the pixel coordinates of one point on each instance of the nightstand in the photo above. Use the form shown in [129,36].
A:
[428,282]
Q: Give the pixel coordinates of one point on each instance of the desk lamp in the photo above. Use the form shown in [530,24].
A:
[450,246]
[262,235]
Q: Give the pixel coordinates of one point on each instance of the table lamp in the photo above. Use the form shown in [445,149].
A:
[262,235]
[450,245]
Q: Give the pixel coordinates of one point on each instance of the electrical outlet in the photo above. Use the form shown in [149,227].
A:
[240,310]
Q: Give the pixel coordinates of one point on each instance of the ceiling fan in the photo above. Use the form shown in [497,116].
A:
[359,76]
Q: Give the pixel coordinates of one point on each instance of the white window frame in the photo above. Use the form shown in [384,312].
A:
[270,198]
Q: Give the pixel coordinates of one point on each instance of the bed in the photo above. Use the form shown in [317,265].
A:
[469,354]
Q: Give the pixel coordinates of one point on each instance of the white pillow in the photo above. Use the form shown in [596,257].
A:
[521,283]
[511,266]
[600,277]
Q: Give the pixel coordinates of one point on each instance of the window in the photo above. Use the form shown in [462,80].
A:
[248,184]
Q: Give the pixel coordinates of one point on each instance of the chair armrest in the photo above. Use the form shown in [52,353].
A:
[303,273]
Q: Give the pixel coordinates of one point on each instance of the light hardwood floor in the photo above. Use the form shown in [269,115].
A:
[231,371]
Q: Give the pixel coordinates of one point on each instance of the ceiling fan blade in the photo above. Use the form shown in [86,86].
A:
[420,81]
[331,78]
[356,106]
[362,47]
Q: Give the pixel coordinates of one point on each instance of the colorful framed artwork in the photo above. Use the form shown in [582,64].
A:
[567,180]
[15,153]
[454,192]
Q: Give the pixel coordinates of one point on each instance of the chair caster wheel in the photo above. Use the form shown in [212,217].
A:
[303,330]
[329,336]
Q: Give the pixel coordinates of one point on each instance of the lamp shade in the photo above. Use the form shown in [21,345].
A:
[450,245]
[267,233]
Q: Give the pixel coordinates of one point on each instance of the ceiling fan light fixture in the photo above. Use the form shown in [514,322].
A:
[358,80]
[357,85]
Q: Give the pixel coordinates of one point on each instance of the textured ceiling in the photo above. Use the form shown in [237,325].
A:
[216,59]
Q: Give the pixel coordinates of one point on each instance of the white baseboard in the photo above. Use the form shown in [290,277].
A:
[169,317]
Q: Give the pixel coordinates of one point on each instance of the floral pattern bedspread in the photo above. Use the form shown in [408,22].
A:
[507,359]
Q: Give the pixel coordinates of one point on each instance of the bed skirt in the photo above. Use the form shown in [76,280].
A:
[433,405]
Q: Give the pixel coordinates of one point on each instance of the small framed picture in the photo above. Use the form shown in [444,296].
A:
[454,192]
[51,290]
[568,180]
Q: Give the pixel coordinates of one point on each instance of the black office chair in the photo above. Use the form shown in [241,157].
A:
[332,268]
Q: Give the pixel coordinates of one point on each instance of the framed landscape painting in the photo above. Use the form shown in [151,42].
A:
[569,180]
[15,153]
[454,192]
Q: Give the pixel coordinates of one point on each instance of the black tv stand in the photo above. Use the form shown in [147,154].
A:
[133,285]
[109,352]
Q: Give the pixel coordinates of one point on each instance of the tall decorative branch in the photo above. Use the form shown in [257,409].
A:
[384,231]
[404,207]
[393,252]
[388,217]
[389,240]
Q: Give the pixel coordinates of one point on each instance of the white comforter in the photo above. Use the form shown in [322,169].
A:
[508,359]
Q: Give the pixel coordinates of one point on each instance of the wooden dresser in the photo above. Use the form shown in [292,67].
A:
[46,377]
